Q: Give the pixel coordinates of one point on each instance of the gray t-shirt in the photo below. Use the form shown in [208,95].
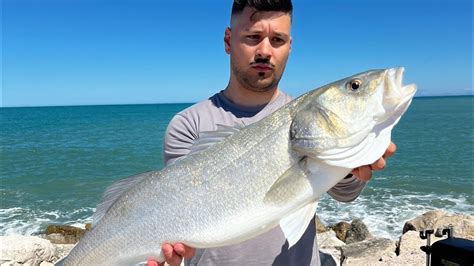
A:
[270,248]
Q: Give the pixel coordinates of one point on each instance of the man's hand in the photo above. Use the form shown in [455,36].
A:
[174,254]
[365,172]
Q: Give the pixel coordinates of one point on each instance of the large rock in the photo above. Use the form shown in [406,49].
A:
[329,239]
[320,228]
[408,249]
[368,252]
[64,234]
[408,260]
[410,243]
[62,250]
[438,220]
[357,232]
[30,250]
[328,248]
[341,230]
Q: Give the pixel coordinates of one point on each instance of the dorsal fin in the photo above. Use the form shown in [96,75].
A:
[114,192]
[209,138]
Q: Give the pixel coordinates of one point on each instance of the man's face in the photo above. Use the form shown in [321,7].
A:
[259,44]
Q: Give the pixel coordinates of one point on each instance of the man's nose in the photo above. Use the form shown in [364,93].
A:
[264,49]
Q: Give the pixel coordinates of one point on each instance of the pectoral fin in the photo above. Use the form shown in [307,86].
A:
[290,186]
[294,225]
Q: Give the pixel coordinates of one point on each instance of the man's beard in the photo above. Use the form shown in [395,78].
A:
[258,82]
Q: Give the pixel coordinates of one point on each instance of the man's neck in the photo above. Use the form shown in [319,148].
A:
[245,97]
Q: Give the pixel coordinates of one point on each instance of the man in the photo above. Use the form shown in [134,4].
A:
[259,43]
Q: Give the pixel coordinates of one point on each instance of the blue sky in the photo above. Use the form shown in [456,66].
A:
[75,52]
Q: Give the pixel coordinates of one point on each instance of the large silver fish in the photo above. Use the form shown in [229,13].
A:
[267,174]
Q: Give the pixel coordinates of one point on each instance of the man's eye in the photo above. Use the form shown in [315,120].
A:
[278,40]
[253,37]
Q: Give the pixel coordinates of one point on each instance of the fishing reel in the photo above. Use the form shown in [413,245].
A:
[450,251]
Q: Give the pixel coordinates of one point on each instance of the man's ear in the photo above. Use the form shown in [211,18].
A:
[227,35]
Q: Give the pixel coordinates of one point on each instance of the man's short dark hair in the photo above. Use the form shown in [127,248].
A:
[263,5]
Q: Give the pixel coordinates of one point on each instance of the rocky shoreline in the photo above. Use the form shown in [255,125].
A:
[340,244]
[353,244]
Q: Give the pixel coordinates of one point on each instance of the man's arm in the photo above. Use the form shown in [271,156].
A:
[179,138]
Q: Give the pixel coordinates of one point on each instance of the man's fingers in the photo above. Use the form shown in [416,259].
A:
[355,171]
[179,248]
[378,165]
[152,263]
[184,251]
[167,251]
[390,150]
[171,257]
[363,173]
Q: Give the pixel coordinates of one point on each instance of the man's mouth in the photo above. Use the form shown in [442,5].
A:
[262,67]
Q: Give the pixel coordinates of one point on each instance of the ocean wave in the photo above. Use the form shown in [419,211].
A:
[383,210]
[26,221]
[385,213]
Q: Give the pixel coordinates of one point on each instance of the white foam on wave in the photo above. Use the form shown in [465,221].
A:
[385,214]
[25,221]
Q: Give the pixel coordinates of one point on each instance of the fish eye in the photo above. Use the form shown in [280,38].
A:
[354,84]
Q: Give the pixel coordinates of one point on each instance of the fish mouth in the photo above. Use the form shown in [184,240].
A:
[396,95]
[398,90]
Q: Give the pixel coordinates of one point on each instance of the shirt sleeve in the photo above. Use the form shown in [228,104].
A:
[179,137]
[348,189]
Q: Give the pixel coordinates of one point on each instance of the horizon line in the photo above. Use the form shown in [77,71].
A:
[158,103]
